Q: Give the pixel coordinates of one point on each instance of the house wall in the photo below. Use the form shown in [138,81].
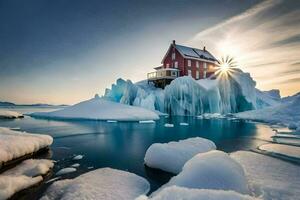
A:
[183,64]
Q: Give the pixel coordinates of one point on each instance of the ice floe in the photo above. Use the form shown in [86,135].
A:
[270,178]
[169,125]
[281,149]
[15,144]
[172,156]
[100,184]
[180,193]
[66,170]
[211,170]
[23,176]
[7,114]
[100,109]
[78,157]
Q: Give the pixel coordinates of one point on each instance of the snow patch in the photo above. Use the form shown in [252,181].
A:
[211,170]
[172,156]
[286,150]
[15,144]
[100,184]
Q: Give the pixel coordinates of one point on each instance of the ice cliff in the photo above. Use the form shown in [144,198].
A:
[232,93]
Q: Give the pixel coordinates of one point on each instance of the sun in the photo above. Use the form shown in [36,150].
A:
[226,67]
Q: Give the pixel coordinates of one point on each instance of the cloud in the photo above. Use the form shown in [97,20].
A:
[265,41]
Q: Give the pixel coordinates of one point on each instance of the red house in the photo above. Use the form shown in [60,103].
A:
[183,61]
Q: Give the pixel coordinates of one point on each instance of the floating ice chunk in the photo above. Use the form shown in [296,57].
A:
[78,157]
[100,184]
[66,170]
[15,144]
[111,121]
[24,175]
[75,165]
[6,114]
[172,156]
[183,124]
[147,122]
[281,149]
[100,109]
[268,177]
[179,193]
[211,170]
[91,167]
[169,125]
[53,179]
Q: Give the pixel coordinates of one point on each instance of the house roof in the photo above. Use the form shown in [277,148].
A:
[193,53]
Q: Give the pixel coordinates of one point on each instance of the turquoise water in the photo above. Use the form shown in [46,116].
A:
[123,145]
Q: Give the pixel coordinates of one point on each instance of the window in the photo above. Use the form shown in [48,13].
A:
[205,65]
[189,72]
[167,65]
[189,63]
[204,74]
[173,56]
[174,73]
[176,64]
[197,74]
[197,64]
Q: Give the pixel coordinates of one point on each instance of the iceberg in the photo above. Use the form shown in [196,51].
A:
[186,96]
[15,144]
[100,184]
[172,156]
[211,170]
[100,109]
[269,178]
[7,114]
[179,193]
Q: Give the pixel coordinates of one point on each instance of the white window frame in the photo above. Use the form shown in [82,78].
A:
[189,63]
[176,64]
[205,65]
[173,56]
[204,74]
[189,72]
[197,64]
[197,74]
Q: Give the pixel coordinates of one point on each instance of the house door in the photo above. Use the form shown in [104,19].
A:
[189,72]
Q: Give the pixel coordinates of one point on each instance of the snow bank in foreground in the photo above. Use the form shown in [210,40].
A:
[211,170]
[287,113]
[6,114]
[286,150]
[100,109]
[179,193]
[24,175]
[100,184]
[270,177]
[14,144]
[172,156]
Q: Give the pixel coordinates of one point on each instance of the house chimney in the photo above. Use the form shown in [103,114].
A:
[173,42]
[204,49]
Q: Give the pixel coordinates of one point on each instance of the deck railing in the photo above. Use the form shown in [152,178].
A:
[163,74]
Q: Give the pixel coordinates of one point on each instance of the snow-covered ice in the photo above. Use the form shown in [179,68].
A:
[282,149]
[78,157]
[24,175]
[183,124]
[75,165]
[7,114]
[287,113]
[66,170]
[180,193]
[100,109]
[147,122]
[271,178]
[169,125]
[14,144]
[211,170]
[172,156]
[100,184]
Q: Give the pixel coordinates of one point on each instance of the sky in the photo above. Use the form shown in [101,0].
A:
[65,51]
